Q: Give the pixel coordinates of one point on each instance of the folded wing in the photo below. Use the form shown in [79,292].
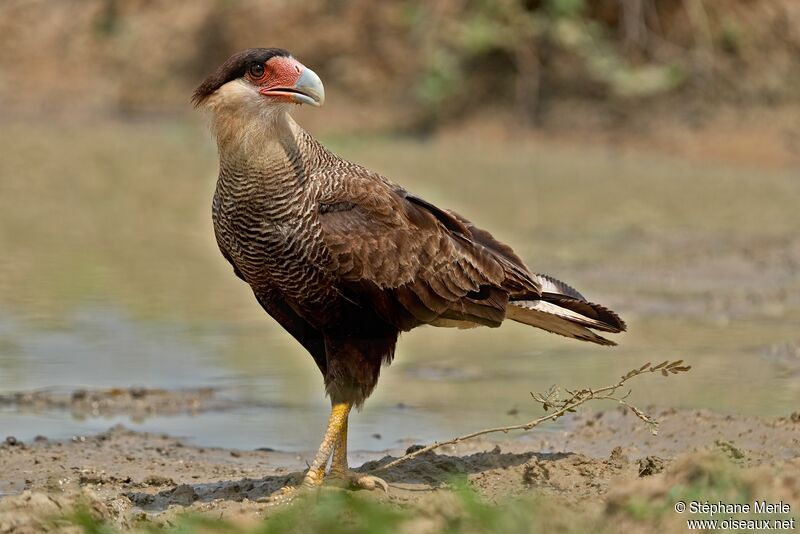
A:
[418,264]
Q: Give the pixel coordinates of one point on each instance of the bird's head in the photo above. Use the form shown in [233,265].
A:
[258,84]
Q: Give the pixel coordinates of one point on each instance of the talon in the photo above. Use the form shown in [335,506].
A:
[285,495]
[370,482]
[282,496]
[358,480]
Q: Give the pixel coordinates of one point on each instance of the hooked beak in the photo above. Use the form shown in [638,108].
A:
[308,89]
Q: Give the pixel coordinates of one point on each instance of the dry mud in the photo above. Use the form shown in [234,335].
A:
[603,460]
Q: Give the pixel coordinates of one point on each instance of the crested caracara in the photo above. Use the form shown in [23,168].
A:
[343,258]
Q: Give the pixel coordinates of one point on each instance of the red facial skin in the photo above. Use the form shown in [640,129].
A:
[279,73]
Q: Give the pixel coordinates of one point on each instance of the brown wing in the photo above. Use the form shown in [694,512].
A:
[414,262]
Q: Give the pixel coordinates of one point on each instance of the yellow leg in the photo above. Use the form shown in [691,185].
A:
[337,424]
[339,459]
[334,441]
[316,472]
[340,470]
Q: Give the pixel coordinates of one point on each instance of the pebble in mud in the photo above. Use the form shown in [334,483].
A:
[414,448]
[618,458]
[183,495]
[535,472]
[158,480]
[651,465]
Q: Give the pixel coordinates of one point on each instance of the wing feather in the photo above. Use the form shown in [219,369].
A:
[419,264]
[425,258]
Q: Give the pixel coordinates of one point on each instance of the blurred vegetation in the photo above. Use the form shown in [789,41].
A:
[515,44]
[420,63]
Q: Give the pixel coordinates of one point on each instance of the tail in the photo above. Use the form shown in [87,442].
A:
[564,311]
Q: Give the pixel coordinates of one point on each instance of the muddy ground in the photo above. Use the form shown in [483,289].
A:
[601,460]
[138,403]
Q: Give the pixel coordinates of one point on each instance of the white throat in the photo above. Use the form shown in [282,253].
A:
[243,121]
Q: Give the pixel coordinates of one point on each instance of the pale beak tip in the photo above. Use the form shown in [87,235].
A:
[310,86]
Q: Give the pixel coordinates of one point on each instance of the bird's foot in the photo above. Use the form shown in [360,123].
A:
[287,494]
[353,479]
[343,478]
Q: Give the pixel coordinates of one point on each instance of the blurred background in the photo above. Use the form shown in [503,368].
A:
[645,151]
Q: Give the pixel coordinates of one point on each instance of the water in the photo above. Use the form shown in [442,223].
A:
[110,277]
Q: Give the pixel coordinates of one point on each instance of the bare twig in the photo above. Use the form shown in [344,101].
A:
[550,400]
[635,31]
[701,26]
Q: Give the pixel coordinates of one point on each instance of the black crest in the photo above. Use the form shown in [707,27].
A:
[234,67]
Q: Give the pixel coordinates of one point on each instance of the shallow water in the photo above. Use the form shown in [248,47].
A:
[110,277]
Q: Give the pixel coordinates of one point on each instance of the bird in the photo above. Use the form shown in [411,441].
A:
[343,258]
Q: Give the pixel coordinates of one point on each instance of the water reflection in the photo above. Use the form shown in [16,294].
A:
[100,347]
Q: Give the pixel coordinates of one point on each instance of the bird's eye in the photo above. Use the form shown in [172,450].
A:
[256,70]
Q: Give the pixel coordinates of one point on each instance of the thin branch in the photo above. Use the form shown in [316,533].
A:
[701,26]
[550,400]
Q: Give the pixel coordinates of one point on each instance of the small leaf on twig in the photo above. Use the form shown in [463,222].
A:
[549,399]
